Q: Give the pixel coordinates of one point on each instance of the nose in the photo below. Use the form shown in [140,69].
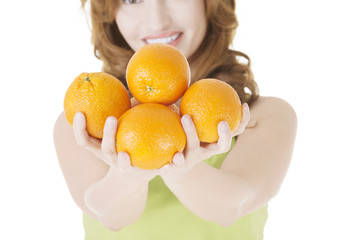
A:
[159,16]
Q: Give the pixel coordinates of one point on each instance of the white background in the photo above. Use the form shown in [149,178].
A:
[306,52]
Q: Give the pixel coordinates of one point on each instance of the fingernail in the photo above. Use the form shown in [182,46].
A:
[223,126]
[247,109]
[123,159]
[77,116]
[179,159]
[79,119]
[186,121]
[111,122]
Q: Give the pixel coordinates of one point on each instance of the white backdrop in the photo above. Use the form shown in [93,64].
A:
[306,52]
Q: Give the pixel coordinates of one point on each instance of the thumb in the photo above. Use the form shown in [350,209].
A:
[123,160]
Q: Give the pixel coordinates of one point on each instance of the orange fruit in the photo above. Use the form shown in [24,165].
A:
[97,95]
[158,73]
[151,134]
[208,102]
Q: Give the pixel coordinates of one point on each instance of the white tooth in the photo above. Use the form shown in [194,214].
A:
[163,40]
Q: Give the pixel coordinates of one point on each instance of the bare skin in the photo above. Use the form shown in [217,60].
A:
[106,187]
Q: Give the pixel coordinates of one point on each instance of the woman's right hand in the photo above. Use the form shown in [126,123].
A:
[105,149]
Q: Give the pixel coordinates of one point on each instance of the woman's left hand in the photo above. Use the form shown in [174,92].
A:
[196,151]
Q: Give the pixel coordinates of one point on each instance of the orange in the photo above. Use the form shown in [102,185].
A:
[151,134]
[208,102]
[158,73]
[97,95]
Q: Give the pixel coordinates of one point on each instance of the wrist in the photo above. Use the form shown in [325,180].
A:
[116,203]
[113,190]
[181,174]
[127,182]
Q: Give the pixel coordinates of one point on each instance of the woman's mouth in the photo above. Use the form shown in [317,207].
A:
[168,38]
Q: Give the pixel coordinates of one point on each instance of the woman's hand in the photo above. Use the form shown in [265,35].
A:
[196,151]
[105,149]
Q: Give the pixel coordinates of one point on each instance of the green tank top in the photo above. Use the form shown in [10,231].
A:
[166,218]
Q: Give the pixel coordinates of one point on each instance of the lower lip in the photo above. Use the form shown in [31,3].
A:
[173,43]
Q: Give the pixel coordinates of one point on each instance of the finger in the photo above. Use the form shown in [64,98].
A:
[123,161]
[192,139]
[174,108]
[164,169]
[224,132]
[134,102]
[108,141]
[81,135]
[244,120]
[179,159]
[224,142]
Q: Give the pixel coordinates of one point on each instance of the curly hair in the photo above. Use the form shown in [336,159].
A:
[213,59]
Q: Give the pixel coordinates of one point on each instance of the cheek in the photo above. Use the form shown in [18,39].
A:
[196,19]
[127,28]
[123,28]
[197,24]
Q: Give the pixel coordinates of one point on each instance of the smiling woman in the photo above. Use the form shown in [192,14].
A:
[217,190]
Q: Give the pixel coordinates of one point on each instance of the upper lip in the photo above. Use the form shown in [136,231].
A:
[161,35]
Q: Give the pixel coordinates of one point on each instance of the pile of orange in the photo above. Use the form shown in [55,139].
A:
[158,75]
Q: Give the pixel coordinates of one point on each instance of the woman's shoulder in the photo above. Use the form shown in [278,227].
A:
[271,107]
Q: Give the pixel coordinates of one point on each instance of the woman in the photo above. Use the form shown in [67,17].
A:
[207,192]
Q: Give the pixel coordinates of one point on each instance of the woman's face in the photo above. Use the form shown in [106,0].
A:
[181,23]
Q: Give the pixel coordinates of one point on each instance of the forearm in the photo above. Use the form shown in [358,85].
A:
[115,201]
[212,194]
